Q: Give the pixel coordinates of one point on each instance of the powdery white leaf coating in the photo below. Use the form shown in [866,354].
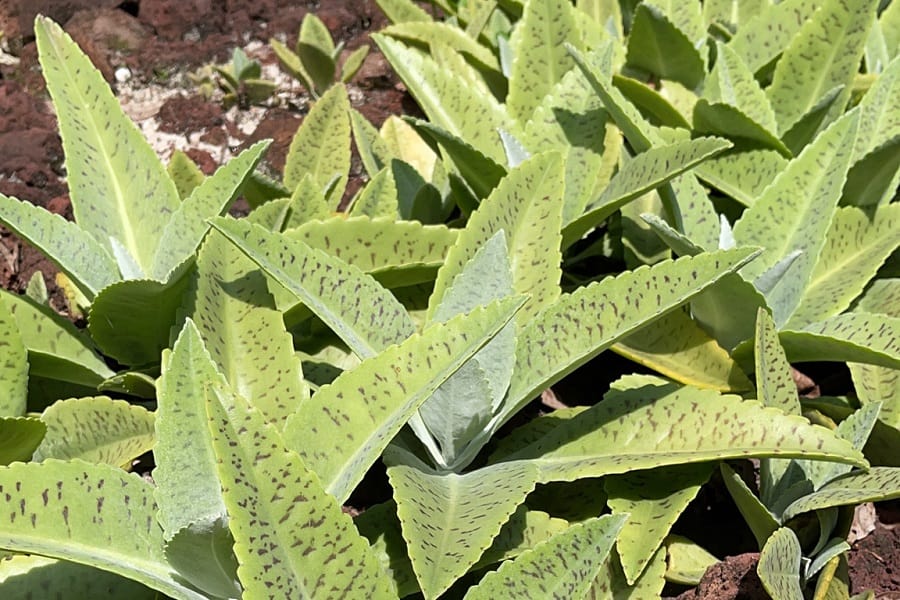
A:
[97,430]
[80,256]
[291,538]
[345,426]
[562,567]
[449,520]
[119,187]
[779,565]
[91,514]
[645,428]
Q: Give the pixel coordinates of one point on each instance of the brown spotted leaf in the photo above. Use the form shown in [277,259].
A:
[291,538]
[779,565]
[13,365]
[875,485]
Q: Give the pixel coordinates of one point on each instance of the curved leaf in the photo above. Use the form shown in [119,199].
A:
[31,576]
[19,437]
[779,565]
[742,174]
[874,485]
[431,32]
[765,36]
[657,45]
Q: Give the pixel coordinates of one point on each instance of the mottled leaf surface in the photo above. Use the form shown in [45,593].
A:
[314,551]
[878,122]
[244,333]
[13,365]
[731,82]
[856,429]
[644,428]
[95,515]
[651,500]
[188,224]
[448,519]
[378,198]
[742,174]
[321,146]
[611,584]
[562,567]
[794,214]
[30,576]
[779,565]
[766,35]
[580,325]
[345,426]
[119,187]
[436,32]
[85,260]
[857,244]
[96,430]
[875,485]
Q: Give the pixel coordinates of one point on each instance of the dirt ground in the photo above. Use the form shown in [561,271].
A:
[146,48]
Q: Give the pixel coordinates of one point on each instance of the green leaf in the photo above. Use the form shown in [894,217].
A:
[383,247]
[435,33]
[373,150]
[611,584]
[95,515]
[353,63]
[646,171]
[130,320]
[527,206]
[875,485]
[652,501]
[19,437]
[878,124]
[756,514]
[716,118]
[340,440]
[244,333]
[653,104]
[71,248]
[120,190]
[449,520]
[779,565]
[184,173]
[314,550]
[794,214]
[774,383]
[687,561]
[765,36]
[524,530]
[380,525]
[14,365]
[857,244]
[678,348]
[30,576]
[824,54]
[321,146]
[96,430]
[562,567]
[378,198]
[402,11]
[203,553]
[330,288]
[56,349]
[188,224]
[448,100]
[731,82]
[540,57]
[307,202]
[664,425]
[407,145]
[856,429]
[616,307]
[657,45]
[742,174]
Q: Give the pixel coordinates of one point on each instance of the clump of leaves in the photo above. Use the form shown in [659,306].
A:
[313,61]
[240,81]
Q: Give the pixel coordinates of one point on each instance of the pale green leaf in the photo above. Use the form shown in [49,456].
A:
[272,215]
[19,438]
[646,171]
[378,198]
[765,36]
[403,142]
[857,244]
[119,187]
[188,224]
[659,46]
[449,520]
[562,567]
[85,260]
[373,150]
[25,576]
[878,122]
[188,490]
[525,529]
[779,565]
[756,514]
[540,57]
[184,173]
[678,348]
[825,53]
[435,32]
[244,333]
[202,553]
[645,428]
[382,247]
[321,146]
[878,384]
[731,82]
[774,383]
[56,349]
[402,11]
[340,294]
[14,365]
[611,584]
[652,500]
[742,174]
[686,560]
[307,202]
[310,549]
[658,106]
[96,430]
[795,212]
[527,206]
[591,319]
[345,426]
[448,100]
[717,118]
[875,485]
[697,215]
[95,515]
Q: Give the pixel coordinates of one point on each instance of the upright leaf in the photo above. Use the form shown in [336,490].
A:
[779,565]
[120,189]
[13,366]
[659,46]
[449,520]
[314,551]
[765,36]
[562,567]
[345,426]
